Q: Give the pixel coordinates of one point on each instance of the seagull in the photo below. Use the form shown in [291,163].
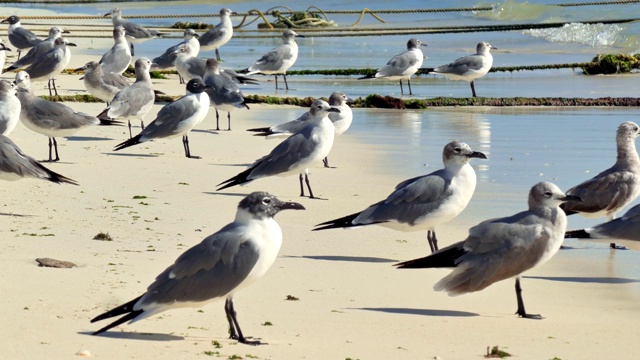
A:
[9,107]
[608,192]
[502,248]
[47,66]
[402,66]
[219,35]
[117,59]
[3,55]
[168,58]
[224,93]
[189,66]
[423,202]
[135,101]
[176,118]
[278,60]
[626,227]
[101,85]
[50,118]
[38,50]
[134,32]
[16,165]
[469,67]
[341,121]
[20,37]
[237,255]
[295,154]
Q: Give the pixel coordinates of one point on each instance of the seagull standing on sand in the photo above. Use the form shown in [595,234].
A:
[176,118]
[295,154]
[9,107]
[341,121]
[402,66]
[219,35]
[38,50]
[20,37]
[135,33]
[279,60]
[503,248]
[47,66]
[50,118]
[423,202]
[117,59]
[237,255]
[101,85]
[135,101]
[223,92]
[16,165]
[469,68]
[608,192]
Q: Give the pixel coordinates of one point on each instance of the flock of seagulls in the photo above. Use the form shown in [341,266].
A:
[243,250]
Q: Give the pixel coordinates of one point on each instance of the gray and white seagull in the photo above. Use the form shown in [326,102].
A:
[101,85]
[469,68]
[235,256]
[135,33]
[20,37]
[219,35]
[279,60]
[423,202]
[503,248]
[611,190]
[225,95]
[118,57]
[9,107]
[176,118]
[38,50]
[47,66]
[402,66]
[296,153]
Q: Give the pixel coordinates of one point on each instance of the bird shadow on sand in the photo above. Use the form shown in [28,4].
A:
[422,312]
[136,336]
[586,280]
[131,154]
[367,259]
[86,138]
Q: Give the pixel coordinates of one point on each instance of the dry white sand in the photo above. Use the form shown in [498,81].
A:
[352,302]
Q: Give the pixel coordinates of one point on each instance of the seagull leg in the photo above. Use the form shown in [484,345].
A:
[301,186]
[19,52]
[276,76]
[473,89]
[130,134]
[131,44]
[234,326]
[218,55]
[521,312]
[55,147]
[55,88]
[187,152]
[285,81]
[217,120]
[433,241]
[180,78]
[325,161]
[228,120]
[141,124]
[409,83]
[306,180]
[401,89]
[50,147]
[49,85]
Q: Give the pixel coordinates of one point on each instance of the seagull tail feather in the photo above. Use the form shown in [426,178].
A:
[125,144]
[443,258]
[122,309]
[577,234]
[343,222]
[236,180]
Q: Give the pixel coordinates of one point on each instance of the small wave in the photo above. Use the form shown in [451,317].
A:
[512,10]
[594,35]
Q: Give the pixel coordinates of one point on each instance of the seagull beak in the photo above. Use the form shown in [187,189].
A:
[107,14]
[477,154]
[570,198]
[493,47]
[71,44]
[196,36]
[4,21]
[291,206]
[66,32]
[423,44]
[80,69]
[300,35]
[334,110]
[4,47]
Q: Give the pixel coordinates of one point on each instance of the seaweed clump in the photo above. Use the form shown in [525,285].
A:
[612,64]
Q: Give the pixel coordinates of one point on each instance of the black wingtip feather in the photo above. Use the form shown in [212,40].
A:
[59,179]
[262,129]
[130,316]
[369,76]
[236,180]
[444,258]
[577,234]
[342,222]
[133,141]
[109,122]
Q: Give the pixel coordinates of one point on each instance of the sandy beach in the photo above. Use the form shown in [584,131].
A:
[352,303]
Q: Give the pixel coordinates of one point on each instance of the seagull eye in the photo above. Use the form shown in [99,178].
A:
[457,150]
[266,201]
[548,193]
